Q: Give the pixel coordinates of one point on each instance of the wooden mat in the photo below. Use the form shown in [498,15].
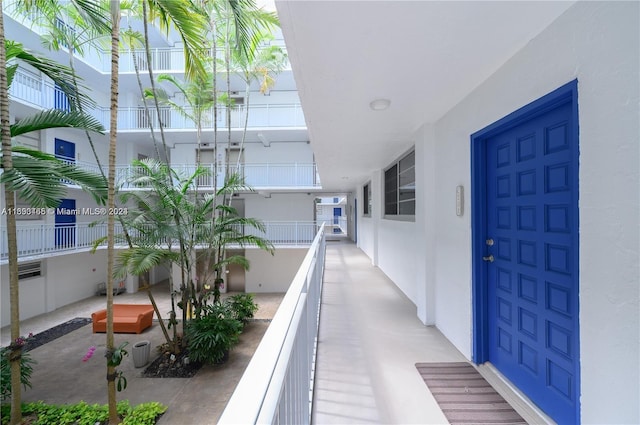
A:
[465,396]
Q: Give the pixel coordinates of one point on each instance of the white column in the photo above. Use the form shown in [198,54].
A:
[425,225]
[377,209]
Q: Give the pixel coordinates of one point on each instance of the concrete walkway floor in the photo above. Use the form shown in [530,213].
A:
[370,339]
[61,376]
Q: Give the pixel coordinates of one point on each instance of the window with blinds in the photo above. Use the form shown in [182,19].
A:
[400,187]
[366,200]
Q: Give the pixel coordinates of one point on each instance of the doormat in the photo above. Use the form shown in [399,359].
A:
[465,396]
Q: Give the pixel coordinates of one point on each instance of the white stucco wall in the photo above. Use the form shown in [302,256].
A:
[278,153]
[65,279]
[366,235]
[396,254]
[280,207]
[32,297]
[596,43]
[272,273]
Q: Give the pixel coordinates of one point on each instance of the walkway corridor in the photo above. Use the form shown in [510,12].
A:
[370,339]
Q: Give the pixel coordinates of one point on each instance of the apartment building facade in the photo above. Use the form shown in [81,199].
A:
[273,155]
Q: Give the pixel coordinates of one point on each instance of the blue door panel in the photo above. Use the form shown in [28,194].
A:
[531,221]
[65,150]
[65,224]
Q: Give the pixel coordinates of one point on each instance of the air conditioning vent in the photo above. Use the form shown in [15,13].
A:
[237,100]
[27,270]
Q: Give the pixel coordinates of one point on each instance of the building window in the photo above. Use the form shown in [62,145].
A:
[366,200]
[28,270]
[400,187]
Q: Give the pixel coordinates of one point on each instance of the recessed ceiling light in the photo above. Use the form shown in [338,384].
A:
[379,104]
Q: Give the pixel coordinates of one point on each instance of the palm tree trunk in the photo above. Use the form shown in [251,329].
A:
[113,128]
[14,290]
[153,83]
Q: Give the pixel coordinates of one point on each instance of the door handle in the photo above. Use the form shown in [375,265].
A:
[489,258]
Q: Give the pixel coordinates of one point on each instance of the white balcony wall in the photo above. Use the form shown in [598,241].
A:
[277,96]
[273,273]
[284,152]
[280,207]
[266,115]
[33,89]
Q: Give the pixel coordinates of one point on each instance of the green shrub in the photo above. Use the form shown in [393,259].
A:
[242,306]
[145,414]
[210,337]
[26,370]
[83,413]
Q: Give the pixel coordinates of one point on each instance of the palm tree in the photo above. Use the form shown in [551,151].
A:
[263,67]
[197,93]
[171,222]
[225,31]
[14,293]
[111,184]
[33,175]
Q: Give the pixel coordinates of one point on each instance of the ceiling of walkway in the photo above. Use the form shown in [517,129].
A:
[424,56]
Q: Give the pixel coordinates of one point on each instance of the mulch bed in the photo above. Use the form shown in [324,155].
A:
[166,366]
[55,332]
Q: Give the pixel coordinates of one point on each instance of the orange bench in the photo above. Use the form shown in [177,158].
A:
[127,318]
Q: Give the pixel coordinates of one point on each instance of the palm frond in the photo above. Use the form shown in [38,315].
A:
[61,75]
[38,178]
[139,260]
[190,25]
[11,72]
[94,13]
[54,118]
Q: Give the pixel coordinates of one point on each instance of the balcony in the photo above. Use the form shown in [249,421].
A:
[42,240]
[260,116]
[355,364]
[39,92]
[258,177]
[163,60]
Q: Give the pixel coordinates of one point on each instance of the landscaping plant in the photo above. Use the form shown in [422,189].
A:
[242,306]
[211,336]
[26,369]
[83,413]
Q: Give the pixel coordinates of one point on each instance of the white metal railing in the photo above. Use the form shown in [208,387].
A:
[277,386]
[256,176]
[40,92]
[48,238]
[33,89]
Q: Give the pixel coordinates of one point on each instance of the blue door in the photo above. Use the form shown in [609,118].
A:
[65,224]
[65,151]
[337,213]
[527,238]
